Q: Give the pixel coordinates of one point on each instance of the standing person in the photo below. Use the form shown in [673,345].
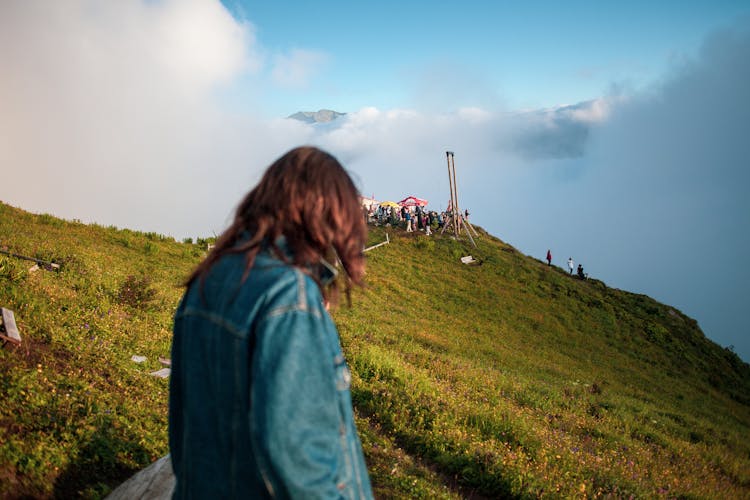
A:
[259,401]
[570,264]
[408,221]
[549,257]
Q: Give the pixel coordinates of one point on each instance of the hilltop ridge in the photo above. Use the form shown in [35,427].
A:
[509,379]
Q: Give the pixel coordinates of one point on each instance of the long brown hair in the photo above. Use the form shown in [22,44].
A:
[307,197]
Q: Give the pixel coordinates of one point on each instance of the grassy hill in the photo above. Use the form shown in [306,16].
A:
[509,379]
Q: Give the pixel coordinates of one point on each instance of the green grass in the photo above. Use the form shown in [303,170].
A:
[509,379]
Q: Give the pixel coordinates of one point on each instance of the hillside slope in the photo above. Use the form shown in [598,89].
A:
[506,379]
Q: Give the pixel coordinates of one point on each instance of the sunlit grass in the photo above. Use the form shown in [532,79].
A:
[516,379]
[506,379]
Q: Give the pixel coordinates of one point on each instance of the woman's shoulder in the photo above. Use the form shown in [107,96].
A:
[288,289]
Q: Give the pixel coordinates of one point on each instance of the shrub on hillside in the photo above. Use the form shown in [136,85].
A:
[150,248]
[136,292]
[424,243]
[10,270]
[205,242]
[50,220]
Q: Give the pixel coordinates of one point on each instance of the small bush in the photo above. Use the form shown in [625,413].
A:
[150,248]
[136,292]
[10,270]
[205,242]
[50,220]
[424,243]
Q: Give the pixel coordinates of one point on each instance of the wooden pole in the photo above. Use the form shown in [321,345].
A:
[387,240]
[449,219]
[456,217]
[467,231]
[456,208]
[51,266]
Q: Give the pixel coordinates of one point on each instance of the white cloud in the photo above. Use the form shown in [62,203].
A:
[648,191]
[298,67]
[475,115]
[656,200]
[107,111]
[201,41]
[594,112]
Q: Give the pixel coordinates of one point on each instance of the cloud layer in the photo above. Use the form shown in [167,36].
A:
[114,112]
[648,190]
[119,113]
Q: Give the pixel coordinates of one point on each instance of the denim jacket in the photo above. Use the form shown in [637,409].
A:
[259,403]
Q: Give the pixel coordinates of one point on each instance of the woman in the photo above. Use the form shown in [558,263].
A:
[259,392]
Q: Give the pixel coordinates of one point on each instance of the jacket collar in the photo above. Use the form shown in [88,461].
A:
[324,271]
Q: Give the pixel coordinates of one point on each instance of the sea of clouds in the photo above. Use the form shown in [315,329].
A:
[117,113]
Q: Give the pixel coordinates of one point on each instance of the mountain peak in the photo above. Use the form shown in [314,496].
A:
[321,116]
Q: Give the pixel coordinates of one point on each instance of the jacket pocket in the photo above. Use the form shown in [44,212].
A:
[343,375]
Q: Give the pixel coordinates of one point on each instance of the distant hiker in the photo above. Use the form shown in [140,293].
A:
[570,264]
[407,216]
[466,214]
[259,398]
[428,229]
[549,258]
[580,272]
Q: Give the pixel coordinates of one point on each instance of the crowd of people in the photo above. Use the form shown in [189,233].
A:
[417,218]
[411,218]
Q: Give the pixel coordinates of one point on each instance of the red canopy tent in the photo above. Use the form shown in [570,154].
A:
[412,201]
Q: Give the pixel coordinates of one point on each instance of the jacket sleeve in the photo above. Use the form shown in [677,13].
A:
[295,418]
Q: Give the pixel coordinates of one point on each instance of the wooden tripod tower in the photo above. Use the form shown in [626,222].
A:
[456,219]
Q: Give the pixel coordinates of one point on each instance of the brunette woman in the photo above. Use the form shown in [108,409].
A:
[259,393]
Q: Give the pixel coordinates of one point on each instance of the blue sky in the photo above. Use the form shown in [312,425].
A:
[610,132]
[520,54]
